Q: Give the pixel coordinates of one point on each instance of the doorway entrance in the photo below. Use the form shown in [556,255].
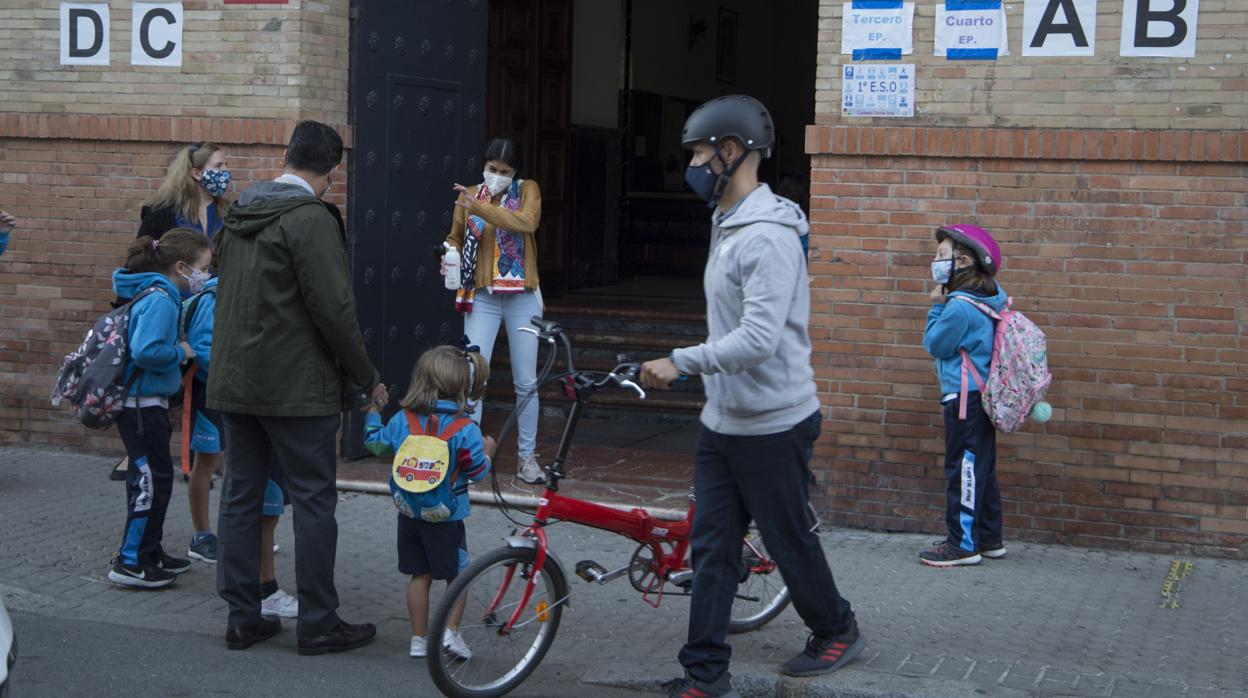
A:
[595,92]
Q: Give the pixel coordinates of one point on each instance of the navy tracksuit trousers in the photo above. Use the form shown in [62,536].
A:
[972,494]
[149,482]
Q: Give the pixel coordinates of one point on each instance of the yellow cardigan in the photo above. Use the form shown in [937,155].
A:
[523,222]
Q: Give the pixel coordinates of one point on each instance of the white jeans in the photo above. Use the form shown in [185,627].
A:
[514,311]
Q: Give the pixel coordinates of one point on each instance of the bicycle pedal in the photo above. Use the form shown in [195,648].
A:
[683,578]
[590,571]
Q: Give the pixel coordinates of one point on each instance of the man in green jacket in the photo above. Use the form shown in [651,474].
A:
[286,349]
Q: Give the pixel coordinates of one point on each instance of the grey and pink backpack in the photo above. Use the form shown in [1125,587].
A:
[93,378]
[1019,373]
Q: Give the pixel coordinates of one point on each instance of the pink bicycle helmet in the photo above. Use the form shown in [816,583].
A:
[975,238]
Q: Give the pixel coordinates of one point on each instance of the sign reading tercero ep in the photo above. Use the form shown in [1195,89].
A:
[874,30]
[155,33]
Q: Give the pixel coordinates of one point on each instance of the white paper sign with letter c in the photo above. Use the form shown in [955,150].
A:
[84,33]
[156,34]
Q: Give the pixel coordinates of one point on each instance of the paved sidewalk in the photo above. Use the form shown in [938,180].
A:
[1048,620]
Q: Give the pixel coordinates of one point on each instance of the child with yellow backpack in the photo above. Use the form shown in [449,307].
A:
[438,451]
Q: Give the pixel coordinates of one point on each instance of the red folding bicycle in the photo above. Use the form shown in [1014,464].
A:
[515,595]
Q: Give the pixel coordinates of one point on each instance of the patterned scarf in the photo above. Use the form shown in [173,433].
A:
[508,253]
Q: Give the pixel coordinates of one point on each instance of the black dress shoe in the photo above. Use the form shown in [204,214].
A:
[240,637]
[343,637]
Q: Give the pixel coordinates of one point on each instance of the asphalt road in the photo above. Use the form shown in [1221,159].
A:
[61,657]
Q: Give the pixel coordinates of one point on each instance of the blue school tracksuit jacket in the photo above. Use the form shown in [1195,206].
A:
[199,332]
[467,451]
[153,333]
[954,325]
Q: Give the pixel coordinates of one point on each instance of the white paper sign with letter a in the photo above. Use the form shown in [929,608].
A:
[1059,27]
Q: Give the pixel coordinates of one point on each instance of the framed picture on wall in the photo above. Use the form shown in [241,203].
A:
[726,47]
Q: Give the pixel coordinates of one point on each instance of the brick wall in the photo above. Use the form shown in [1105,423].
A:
[1209,91]
[1127,248]
[275,61]
[77,183]
[83,146]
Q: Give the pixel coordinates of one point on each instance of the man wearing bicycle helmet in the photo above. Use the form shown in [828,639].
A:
[761,417]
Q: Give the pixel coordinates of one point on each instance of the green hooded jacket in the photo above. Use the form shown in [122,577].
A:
[286,342]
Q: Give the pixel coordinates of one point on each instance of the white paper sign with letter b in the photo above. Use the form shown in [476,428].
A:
[84,33]
[1159,28]
[156,34]
[1059,27]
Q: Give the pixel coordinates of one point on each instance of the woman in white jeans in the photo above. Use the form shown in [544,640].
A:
[494,230]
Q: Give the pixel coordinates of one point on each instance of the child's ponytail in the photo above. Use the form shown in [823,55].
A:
[446,373]
[147,255]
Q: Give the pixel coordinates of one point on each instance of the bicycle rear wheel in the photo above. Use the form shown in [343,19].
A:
[761,591]
[492,589]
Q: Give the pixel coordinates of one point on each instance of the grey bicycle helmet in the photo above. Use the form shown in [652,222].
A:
[733,116]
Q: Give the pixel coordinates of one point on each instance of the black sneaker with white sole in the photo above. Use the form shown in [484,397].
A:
[824,655]
[140,576]
[169,563]
[945,555]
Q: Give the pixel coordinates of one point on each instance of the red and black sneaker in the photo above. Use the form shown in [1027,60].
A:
[688,687]
[824,655]
[945,555]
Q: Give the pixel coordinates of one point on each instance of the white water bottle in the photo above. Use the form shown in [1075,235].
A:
[451,282]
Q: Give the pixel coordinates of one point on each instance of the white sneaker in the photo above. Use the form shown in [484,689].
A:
[454,643]
[530,471]
[418,647]
[280,604]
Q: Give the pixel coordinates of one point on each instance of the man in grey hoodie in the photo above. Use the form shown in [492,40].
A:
[761,417]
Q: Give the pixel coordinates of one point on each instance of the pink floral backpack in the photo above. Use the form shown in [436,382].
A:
[1019,374]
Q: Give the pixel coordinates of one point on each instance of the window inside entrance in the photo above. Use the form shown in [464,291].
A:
[597,92]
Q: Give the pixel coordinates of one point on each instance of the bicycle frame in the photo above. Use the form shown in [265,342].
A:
[668,540]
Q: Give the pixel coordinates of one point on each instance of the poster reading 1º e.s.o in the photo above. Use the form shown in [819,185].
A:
[877,89]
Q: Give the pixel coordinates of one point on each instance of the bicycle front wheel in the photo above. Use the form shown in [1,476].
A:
[761,592]
[497,654]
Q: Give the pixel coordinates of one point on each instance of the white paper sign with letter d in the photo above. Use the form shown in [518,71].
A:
[1159,28]
[156,34]
[1059,27]
[84,33]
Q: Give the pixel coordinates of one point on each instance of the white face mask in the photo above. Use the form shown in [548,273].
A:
[496,183]
[942,269]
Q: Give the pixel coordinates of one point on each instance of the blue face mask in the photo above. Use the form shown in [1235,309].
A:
[217,182]
[701,180]
[708,185]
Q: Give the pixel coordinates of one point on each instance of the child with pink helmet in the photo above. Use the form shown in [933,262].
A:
[966,263]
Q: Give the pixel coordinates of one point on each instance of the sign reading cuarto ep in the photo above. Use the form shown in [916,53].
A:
[155,33]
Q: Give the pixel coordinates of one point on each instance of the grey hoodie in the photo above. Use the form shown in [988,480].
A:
[756,362]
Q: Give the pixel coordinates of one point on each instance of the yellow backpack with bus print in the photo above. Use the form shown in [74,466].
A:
[424,468]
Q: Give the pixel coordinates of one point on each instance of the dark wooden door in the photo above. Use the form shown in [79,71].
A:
[418,83]
[530,91]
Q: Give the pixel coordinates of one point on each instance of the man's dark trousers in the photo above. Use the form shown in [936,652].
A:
[765,478]
[307,450]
